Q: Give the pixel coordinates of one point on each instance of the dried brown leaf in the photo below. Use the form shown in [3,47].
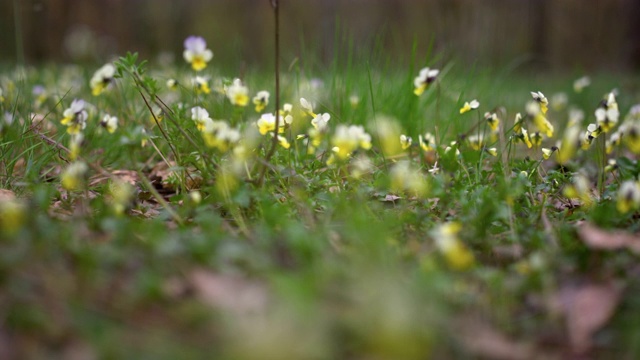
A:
[596,238]
[484,340]
[587,309]
[7,195]
[227,292]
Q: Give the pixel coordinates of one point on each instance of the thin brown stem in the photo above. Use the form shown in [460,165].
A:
[274,143]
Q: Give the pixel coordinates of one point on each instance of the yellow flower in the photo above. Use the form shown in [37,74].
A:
[492,120]
[237,93]
[201,117]
[547,152]
[267,123]
[607,114]
[307,107]
[628,196]
[72,178]
[580,189]
[536,139]
[196,52]
[110,123]
[581,83]
[405,141]
[320,121]
[121,195]
[347,139]
[219,135]
[75,142]
[569,145]
[424,78]
[13,215]
[524,136]
[468,106]
[404,177]
[476,141]
[261,100]
[427,142]
[517,124]
[632,138]
[541,100]
[172,84]
[101,79]
[201,84]
[456,254]
[75,117]
[492,151]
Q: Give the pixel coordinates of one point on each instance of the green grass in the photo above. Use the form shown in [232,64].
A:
[311,261]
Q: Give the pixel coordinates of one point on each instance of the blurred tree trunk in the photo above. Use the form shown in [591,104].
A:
[539,25]
[634,32]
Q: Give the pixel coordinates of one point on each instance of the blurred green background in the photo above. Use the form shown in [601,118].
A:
[583,35]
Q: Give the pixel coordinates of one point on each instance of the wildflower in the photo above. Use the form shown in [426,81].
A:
[406,178]
[172,84]
[40,93]
[541,100]
[476,141]
[157,114]
[535,112]
[593,131]
[307,107]
[424,78]
[524,137]
[261,100]
[110,123]
[282,140]
[75,117]
[72,178]
[237,93]
[614,140]
[456,254]
[581,83]
[219,135]
[13,215]
[200,116]
[628,196]
[492,151]
[354,100]
[201,84]
[559,101]
[320,121]
[427,142]
[569,145]
[492,120]
[101,79]
[580,189]
[195,197]
[468,106]
[196,52]
[267,123]
[75,142]
[612,165]
[347,139]
[536,139]
[632,138]
[547,152]
[517,123]
[360,166]
[405,141]
[607,114]
[121,195]
[576,116]
[286,111]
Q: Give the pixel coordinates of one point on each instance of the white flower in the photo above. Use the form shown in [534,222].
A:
[110,123]
[320,121]
[200,116]
[101,79]
[196,52]
[237,93]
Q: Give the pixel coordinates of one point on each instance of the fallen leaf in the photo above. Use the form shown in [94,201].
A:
[390,198]
[588,308]
[228,292]
[7,195]
[483,340]
[596,238]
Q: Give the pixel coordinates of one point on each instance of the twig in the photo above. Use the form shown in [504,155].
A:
[274,143]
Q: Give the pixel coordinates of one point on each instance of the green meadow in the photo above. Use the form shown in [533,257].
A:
[352,210]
